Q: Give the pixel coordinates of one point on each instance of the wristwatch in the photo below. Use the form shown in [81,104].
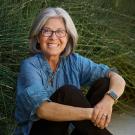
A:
[113,95]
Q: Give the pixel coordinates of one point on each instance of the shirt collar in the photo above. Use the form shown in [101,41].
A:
[45,65]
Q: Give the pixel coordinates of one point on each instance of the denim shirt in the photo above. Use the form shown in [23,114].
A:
[34,85]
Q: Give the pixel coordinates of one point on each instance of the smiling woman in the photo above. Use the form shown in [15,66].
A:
[53,39]
[48,95]
[41,21]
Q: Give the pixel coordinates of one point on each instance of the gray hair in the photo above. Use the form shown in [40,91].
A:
[40,21]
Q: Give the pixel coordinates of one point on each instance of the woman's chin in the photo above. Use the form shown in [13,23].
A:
[52,54]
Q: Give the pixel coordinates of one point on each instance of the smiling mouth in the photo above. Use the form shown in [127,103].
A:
[51,45]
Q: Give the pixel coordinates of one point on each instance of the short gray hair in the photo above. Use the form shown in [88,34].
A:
[40,21]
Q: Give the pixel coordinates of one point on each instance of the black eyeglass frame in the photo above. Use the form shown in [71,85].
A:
[51,32]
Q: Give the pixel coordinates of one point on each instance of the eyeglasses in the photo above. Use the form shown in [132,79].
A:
[48,32]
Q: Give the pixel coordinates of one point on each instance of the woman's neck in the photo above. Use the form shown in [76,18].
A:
[53,62]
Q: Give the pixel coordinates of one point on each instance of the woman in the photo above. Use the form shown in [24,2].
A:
[48,89]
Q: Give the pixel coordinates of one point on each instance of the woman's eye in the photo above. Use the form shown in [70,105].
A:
[47,31]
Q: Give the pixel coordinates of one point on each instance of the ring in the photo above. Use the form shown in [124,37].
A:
[104,115]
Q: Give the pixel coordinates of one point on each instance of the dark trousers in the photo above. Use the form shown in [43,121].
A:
[70,95]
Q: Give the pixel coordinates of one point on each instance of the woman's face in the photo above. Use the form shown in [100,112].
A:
[53,37]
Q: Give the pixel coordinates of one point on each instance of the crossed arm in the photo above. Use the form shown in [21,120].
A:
[58,112]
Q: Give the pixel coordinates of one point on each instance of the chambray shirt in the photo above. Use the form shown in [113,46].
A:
[34,87]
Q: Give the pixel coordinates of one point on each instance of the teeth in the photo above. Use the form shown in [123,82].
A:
[52,45]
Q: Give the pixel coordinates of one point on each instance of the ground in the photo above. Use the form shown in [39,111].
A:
[122,124]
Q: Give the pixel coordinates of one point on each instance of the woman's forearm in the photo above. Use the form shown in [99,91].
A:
[58,112]
[117,83]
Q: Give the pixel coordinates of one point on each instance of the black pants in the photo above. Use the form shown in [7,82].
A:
[70,95]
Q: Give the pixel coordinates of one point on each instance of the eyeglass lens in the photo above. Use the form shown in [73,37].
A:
[48,32]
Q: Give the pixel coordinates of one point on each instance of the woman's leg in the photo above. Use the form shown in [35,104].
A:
[94,95]
[98,90]
[68,95]
[44,127]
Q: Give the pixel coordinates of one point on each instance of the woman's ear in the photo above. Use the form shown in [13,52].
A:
[38,43]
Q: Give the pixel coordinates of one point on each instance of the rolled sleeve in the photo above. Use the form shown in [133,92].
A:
[34,96]
[31,93]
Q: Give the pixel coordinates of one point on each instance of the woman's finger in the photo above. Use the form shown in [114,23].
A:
[95,114]
[107,121]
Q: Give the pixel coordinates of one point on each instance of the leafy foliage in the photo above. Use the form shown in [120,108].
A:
[107,35]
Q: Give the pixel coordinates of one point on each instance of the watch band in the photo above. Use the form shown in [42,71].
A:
[113,95]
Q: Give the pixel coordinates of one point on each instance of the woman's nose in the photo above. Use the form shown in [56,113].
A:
[53,36]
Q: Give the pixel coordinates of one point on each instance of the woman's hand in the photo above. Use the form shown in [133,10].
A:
[102,112]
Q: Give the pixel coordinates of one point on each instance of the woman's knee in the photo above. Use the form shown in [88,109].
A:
[66,89]
[98,90]
[70,95]
[64,92]
[101,83]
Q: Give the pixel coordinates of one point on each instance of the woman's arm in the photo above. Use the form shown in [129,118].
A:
[58,112]
[117,84]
